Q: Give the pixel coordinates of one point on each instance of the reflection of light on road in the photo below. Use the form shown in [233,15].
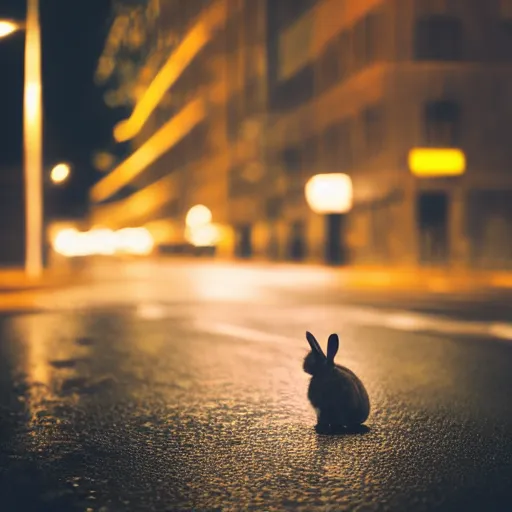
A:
[31,329]
[246,334]
[151,311]
[405,322]
[37,369]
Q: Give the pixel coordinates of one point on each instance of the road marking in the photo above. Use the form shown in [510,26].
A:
[399,321]
[244,333]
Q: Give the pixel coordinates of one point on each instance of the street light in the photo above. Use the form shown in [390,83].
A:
[60,173]
[331,195]
[7,28]
[32,137]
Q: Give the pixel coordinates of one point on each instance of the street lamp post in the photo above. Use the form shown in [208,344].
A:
[331,195]
[32,138]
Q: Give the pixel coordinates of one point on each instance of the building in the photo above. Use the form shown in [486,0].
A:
[289,89]
[183,67]
[12,217]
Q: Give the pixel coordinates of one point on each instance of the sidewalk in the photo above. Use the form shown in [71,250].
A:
[367,278]
[14,280]
[430,280]
[403,279]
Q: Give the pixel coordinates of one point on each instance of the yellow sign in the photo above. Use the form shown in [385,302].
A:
[437,162]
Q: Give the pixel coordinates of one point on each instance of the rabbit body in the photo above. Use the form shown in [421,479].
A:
[339,397]
[335,392]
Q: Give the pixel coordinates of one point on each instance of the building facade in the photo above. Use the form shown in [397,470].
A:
[273,93]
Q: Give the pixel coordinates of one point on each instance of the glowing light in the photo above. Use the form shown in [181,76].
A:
[60,173]
[206,235]
[33,143]
[329,193]
[103,161]
[134,241]
[434,162]
[162,231]
[100,241]
[66,242]
[105,242]
[198,215]
[159,143]
[191,45]
[7,28]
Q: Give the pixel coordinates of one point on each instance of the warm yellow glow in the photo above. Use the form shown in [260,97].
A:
[434,162]
[66,242]
[204,235]
[329,193]
[101,241]
[103,161]
[165,138]
[198,215]
[7,28]
[134,241]
[32,143]
[193,42]
[162,231]
[60,173]
[140,204]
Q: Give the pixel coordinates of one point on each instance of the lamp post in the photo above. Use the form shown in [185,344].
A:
[32,137]
[331,195]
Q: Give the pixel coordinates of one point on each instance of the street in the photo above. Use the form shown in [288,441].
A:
[179,386]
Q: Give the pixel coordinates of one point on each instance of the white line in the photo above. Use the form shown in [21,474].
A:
[396,321]
[244,333]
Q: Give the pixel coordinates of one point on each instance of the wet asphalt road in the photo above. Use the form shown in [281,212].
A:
[181,389]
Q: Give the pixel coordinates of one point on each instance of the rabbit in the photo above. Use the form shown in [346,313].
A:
[337,395]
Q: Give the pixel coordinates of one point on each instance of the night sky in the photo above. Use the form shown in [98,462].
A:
[76,120]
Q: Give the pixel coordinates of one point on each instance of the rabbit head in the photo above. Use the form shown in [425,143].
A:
[316,361]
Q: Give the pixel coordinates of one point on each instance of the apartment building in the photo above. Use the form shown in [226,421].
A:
[198,70]
[389,76]
[237,103]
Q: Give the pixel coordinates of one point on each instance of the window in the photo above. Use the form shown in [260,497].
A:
[329,70]
[234,115]
[289,10]
[291,160]
[373,37]
[359,44]
[253,97]
[309,153]
[442,124]
[439,38]
[296,91]
[252,21]
[331,148]
[273,208]
[505,47]
[345,53]
[233,34]
[373,129]
[346,158]
[337,146]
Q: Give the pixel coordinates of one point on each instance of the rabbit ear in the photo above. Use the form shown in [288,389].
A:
[315,346]
[333,343]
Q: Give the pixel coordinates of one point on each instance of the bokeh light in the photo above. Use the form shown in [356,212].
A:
[60,173]
[329,193]
[198,215]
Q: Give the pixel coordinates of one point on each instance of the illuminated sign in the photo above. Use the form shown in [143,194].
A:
[437,162]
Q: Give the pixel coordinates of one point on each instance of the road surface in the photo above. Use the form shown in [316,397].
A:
[179,387]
